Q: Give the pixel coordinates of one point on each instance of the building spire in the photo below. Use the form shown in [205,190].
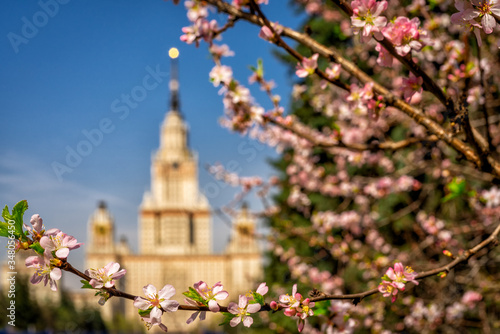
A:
[174,142]
[174,80]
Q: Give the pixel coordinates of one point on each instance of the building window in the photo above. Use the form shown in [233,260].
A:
[191,229]
[157,228]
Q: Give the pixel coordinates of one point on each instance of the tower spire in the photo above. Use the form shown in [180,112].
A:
[174,80]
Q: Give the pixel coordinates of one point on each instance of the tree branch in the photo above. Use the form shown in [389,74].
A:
[357,297]
[389,98]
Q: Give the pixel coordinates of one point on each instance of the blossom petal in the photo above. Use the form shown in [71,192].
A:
[495,10]
[149,290]
[112,268]
[156,313]
[213,306]
[247,321]
[192,317]
[52,231]
[141,303]
[163,327]
[45,242]
[235,321]
[262,289]
[55,274]
[221,295]
[119,274]
[53,285]
[243,301]
[166,292]
[488,23]
[169,305]
[233,308]
[252,308]
[35,279]
[62,253]
[32,261]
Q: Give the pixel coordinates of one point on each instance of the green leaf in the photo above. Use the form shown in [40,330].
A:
[4,229]
[6,213]
[456,188]
[259,70]
[18,213]
[321,308]
[17,216]
[227,318]
[194,295]
[258,298]
[37,248]
[144,313]
[86,285]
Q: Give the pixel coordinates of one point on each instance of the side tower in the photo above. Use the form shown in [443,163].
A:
[243,240]
[101,231]
[101,249]
[243,252]
[174,215]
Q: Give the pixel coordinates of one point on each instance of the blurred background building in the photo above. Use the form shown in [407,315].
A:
[175,239]
[174,231]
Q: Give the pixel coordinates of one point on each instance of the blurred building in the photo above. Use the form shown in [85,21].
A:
[174,231]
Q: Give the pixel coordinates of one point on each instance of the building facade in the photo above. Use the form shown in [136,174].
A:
[175,231]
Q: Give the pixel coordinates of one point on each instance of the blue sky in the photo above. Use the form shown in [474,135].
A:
[62,68]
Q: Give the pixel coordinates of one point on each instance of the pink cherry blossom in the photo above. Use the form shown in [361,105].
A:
[400,275]
[471,298]
[242,310]
[395,279]
[61,243]
[267,34]
[44,270]
[492,197]
[37,223]
[466,17]
[296,305]
[404,34]
[484,9]
[366,18]
[220,51]
[201,29]
[195,10]
[262,289]
[211,294]
[333,71]
[221,73]
[412,86]
[384,57]
[157,303]
[387,289]
[308,66]
[104,277]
